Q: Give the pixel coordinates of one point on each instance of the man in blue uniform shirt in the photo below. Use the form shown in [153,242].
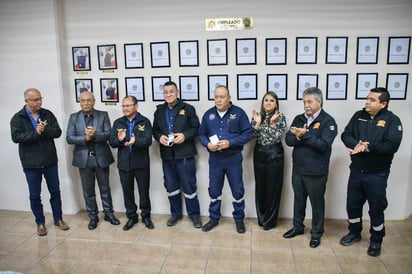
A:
[373,135]
[224,130]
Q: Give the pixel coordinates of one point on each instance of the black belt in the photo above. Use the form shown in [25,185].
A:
[92,153]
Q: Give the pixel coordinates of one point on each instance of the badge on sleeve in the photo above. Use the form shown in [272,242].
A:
[332,128]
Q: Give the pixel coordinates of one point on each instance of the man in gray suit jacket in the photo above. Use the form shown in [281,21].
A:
[89,130]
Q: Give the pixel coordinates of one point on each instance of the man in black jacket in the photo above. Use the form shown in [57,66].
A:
[132,136]
[34,129]
[373,135]
[311,134]
[175,127]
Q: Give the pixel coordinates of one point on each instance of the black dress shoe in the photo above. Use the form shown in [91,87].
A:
[349,239]
[314,242]
[374,249]
[173,220]
[292,233]
[240,227]
[112,219]
[130,223]
[197,223]
[209,225]
[92,224]
[148,223]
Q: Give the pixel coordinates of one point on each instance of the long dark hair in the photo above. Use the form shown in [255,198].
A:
[262,110]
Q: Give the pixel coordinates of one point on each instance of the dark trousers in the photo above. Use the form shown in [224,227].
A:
[142,176]
[34,178]
[88,176]
[268,169]
[314,187]
[231,166]
[181,173]
[371,187]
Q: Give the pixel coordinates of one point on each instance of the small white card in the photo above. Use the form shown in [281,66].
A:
[214,139]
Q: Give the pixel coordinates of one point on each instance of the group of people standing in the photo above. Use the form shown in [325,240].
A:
[372,136]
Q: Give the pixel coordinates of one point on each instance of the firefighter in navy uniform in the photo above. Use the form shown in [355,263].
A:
[373,135]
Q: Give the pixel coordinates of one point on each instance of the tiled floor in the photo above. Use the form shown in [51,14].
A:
[184,249]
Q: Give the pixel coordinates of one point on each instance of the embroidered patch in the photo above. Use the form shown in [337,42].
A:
[316,125]
[182,112]
[400,127]
[381,123]
[332,128]
[141,127]
[232,116]
[212,116]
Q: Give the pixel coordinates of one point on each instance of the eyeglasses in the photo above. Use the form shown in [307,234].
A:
[35,99]
[126,106]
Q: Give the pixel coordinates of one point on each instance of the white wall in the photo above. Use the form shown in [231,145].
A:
[38,37]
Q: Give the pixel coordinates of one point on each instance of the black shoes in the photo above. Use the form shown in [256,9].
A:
[349,239]
[112,219]
[197,223]
[314,242]
[130,223]
[173,220]
[293,232]
[148,223]
[209,225]
[93,223]
[240,226]
[374,249]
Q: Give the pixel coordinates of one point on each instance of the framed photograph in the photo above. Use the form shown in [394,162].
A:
[82,85]
[276,51]
[81,58]
[398,50]
[189,53]
[306,81]
[133,56]
[278,83]
[189,87]
[246,51]
[135,87]
[364,83]
[107,57]
[217,52]
[306,50]
[160,54]
[336,50]
[336,86]
[246,86]
[214,81]
[157,87]
[396,84]
[367,50]
[109,90]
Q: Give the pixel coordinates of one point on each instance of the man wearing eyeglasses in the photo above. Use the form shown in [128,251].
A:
[34,129]
[132,136]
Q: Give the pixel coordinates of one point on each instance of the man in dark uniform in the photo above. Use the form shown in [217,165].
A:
[224,130]
[373,135]
[311,134]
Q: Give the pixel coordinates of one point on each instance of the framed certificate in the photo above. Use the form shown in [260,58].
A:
[160,54]
[82,85]
[217,52]
[109,90]
[276,51]
[133,56]
[398,50]
[278,83]
[214,81]
[189,87]
[157,87]
[367,50]
[135,87]
[306,81]
[306,50]
[107,57]
[246,86]
[336,86]
[189,53]
[81,58]
[364,83]
[336,50]
[396,84]
[246,51]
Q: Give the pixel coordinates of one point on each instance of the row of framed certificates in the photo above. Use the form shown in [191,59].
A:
[247,86]
[217,52]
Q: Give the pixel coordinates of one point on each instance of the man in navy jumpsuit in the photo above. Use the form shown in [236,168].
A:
[224,130]
[373,135]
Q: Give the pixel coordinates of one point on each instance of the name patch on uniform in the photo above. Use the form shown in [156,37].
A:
[316,125]
[212,116]
[182,112]
[381,123]
[232,116]
[141,127]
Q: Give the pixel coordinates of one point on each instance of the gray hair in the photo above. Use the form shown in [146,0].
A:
[316,92]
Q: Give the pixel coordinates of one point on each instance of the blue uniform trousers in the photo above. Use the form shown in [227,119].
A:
[231,166]
[181,174]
